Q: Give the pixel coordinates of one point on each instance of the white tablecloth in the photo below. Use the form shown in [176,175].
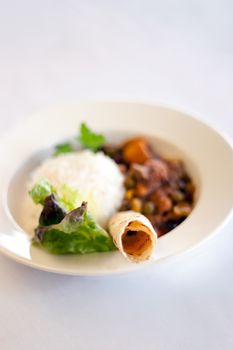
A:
[175,52]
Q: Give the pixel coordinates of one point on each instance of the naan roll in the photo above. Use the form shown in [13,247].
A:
[133,235]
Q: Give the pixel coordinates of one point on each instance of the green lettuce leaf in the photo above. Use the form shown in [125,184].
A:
[68,197]
[89,139]
[41,190]
[77,233]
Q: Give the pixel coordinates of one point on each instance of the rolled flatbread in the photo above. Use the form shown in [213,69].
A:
[133,235]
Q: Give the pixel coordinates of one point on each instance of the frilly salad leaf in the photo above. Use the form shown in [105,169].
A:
[89,139]
[41,190]
[52,212]
[77,233]
[68,197]
[62,228]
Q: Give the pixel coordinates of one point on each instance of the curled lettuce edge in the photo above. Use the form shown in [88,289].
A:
[77,233]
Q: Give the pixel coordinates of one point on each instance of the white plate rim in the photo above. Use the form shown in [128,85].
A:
[196,117]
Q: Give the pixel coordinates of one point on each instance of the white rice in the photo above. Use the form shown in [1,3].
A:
[96,177]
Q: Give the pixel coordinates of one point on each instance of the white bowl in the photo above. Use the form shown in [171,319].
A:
[207,155]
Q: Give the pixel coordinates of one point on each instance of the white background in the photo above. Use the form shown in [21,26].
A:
[175,52]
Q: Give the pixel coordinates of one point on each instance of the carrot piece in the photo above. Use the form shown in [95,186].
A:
[136,151]
[141,190]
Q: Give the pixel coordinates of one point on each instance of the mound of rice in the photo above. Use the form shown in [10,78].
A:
[96,177]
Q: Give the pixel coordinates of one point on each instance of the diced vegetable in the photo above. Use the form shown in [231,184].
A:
[129,194]
[129,182]
[158,169]
[182,209]
[162,202]
[148,208]
[136,204]
[140,172]
[136,151]
[141,190]
[177,196]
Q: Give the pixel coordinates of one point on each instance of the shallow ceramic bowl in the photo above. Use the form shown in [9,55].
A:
[208,157]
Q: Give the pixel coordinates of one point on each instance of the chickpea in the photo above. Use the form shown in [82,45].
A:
[177,196]
[136,204]
[148,208]
[164,204]
[182,209]
[129,194]
[129,182]
[141,190]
